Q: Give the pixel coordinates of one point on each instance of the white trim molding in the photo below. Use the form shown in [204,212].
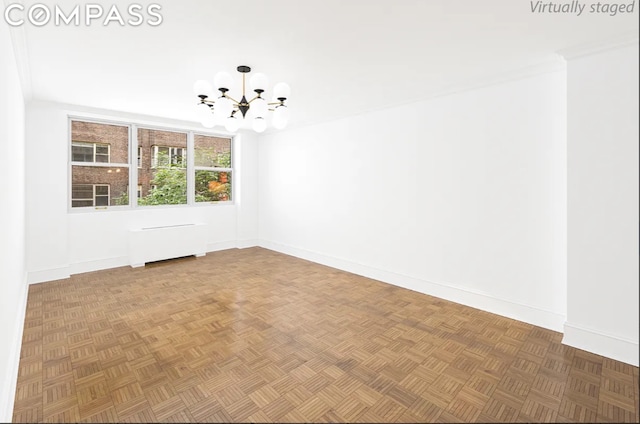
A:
[10,379]
[222,245]
[611,346]
[98,265]
[245,244]
[575,52]
[53,274]
[526,313]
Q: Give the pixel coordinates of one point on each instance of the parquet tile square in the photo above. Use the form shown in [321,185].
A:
[256,336]
[278,408]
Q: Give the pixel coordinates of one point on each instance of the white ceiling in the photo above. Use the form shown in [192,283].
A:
[340,57]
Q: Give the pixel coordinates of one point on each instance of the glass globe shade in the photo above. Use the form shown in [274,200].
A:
[259,81]
[259,107]
[223,107]
[223,80]
[281,90]
[259,125]
[232,124]
[202,88]
[209,121]
[202,111]
[280,117]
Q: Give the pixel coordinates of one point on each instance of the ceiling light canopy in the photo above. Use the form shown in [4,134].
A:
[225,109]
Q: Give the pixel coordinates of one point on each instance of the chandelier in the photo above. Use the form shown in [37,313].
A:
[231,112]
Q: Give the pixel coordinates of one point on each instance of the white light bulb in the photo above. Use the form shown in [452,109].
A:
[223,80]
[259,125]
[281,90]
[259,107]
[281,117]
[223,107]
[232,124]
[202,111]
[209,121]
[259,82]
[202,88]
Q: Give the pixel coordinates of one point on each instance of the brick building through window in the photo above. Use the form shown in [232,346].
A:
[101,163]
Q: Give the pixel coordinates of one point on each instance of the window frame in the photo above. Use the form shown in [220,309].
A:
[72,163]
[133,167]
[94,147]
[156,147]
[94,195]
[214,169]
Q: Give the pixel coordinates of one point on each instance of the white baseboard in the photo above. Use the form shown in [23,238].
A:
[98,265]
[526,313]
[245,244]
[35,277]
[11,378]
[223,245]
[593,341]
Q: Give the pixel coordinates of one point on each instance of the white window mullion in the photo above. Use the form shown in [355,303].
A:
[191,173]
[133,170]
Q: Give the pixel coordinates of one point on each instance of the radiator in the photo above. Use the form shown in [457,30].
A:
[160,243]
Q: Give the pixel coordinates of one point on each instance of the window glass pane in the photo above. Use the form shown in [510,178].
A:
[82,191]
[102,200]
[111,185]
[169,187]
[102,153]
[162,177]
[81,203]
[82,153]
[111,141]
[213,186]
[212,152]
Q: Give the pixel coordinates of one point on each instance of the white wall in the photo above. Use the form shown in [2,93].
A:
[461,196]
[602,314]
[60,243]
[12,216]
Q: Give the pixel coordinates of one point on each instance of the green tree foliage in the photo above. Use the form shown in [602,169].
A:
[170,179]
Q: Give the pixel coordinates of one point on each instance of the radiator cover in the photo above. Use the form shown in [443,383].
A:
[166,242]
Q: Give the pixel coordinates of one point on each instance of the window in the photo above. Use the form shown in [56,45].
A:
[166,156]
[212,168]
[89,195]
[99,164]
[105,158]
[90,152]
[164,179]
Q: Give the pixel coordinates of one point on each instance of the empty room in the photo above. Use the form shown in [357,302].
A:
[339,211]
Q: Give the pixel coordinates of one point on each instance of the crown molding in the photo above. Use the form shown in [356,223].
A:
[21,53]
[553,63]
[624,40]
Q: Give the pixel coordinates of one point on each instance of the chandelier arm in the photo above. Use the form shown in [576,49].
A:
[255,98]
[232,99]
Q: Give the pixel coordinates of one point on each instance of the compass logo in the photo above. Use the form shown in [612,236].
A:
[40,15]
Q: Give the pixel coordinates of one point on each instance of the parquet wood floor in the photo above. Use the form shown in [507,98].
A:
[257,336]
